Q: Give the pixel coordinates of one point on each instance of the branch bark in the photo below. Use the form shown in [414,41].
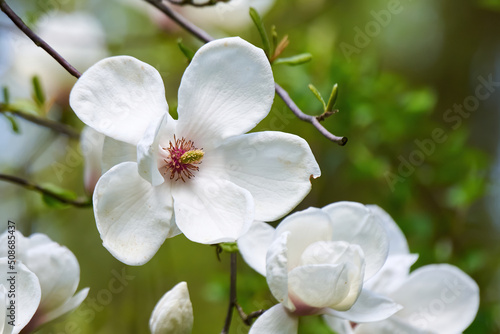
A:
[80,203]
[50,124]
[37,40]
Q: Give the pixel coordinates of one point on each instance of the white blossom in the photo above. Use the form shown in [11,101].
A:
[173,314]
[317,262]
[436,299]
[23,290]
[200,174]
[57,271]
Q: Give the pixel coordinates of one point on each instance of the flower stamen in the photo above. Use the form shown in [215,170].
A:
[182,158]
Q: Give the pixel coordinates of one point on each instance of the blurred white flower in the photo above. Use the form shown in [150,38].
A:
[26,290]
[201,169]
[77,36]
[173,314]
[317,262]
[57,270]
[225,16]
[437,299]
[230,15]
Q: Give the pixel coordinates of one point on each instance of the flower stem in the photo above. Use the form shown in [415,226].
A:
[50,124]
[36,39]
[232,295]
[80,203]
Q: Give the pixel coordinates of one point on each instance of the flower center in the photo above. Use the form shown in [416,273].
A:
[182,158]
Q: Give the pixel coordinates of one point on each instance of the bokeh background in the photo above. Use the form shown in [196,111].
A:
[400,77]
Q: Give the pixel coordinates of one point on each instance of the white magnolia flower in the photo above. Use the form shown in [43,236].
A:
[437,299]
[317,262]
[57,270]
[23,289]
[233,14]
[200,174]
[77,36]
[173,314]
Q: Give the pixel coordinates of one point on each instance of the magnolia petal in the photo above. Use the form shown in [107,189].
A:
[254,244]
[173,314]
[115,152]
[441,298]
[68,306]
[28,294]
[395,271]
[226,90]
[57,270]
[275,167]
[369,307]
[326,285]
[132,216]
[305,227]
[147,150]
[276,320]
[390,325]
[119,97]
[356,224]
[209,210]
[277,270]
[91,143]
[339,326]
[397,240]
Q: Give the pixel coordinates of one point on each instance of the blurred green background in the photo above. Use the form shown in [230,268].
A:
[398,78]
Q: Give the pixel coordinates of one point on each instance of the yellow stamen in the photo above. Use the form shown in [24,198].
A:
[192,157]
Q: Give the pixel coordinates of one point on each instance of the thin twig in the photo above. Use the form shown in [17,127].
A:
[80,203]
[48,123]
[180,20]
[37,40]
[204,37]
[308,118]
[194,4]
[232,295]
[247,318]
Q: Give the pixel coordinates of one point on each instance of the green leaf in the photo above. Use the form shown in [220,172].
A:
[333,98]
[262,31]
[274,38]
[318,95]
[6,95]
[185,50]
[294,60]
[13,123]
[38,93]
[53,202]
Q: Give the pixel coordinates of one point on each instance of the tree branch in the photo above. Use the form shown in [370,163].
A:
[205,37]
[45,122]
[232,295]
[180,20]
[80,203]
[37,40]
[308,118]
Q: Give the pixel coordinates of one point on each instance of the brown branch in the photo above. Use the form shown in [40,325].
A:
[308,118]
[45,122]
[232,295]
[193,4]
[248,318]
[37,40]
[205,37]
[180,20]
[80,203]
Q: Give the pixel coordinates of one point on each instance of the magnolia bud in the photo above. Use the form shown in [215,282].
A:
[174,312]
